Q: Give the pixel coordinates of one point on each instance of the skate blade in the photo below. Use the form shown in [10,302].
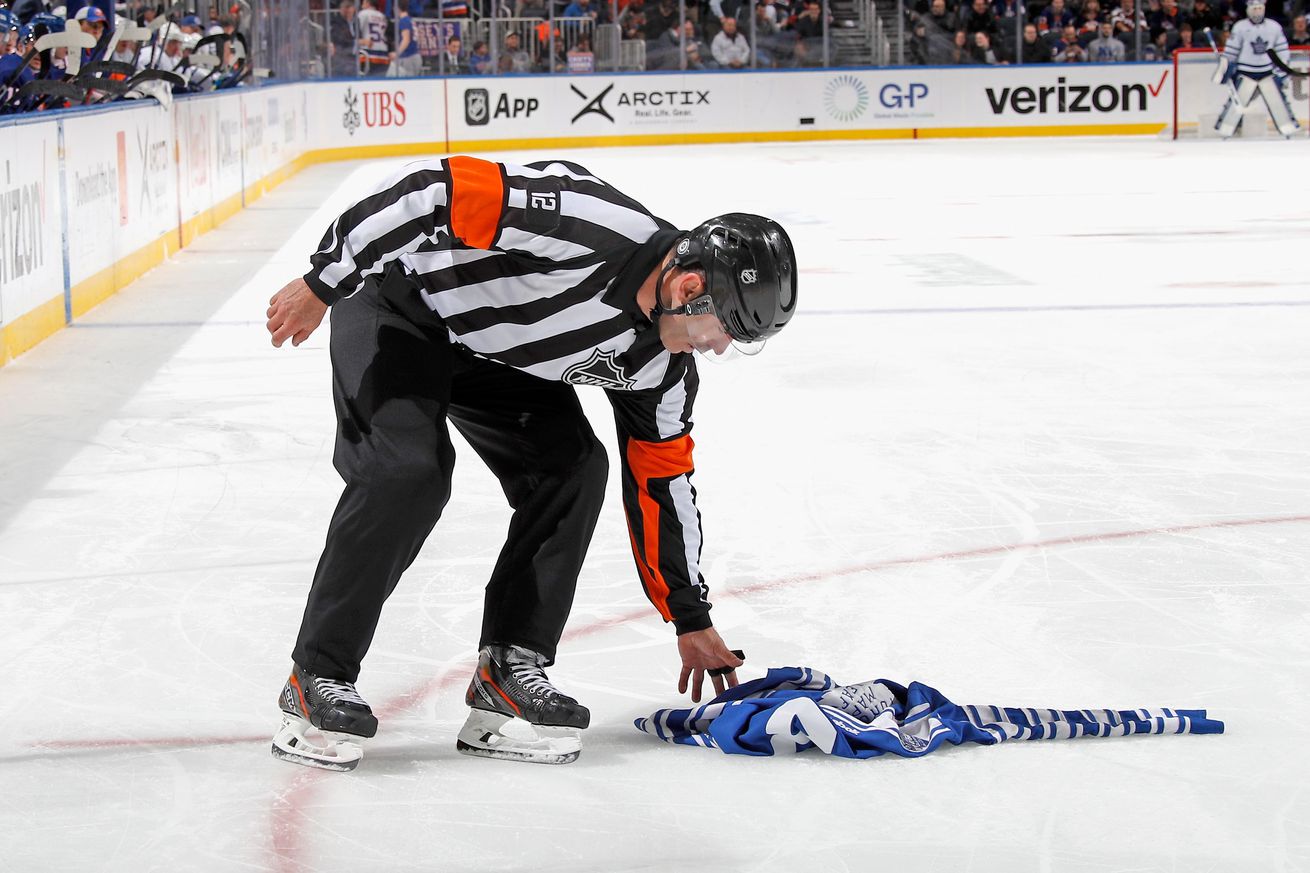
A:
[512,755]
[492,735]
[340,752]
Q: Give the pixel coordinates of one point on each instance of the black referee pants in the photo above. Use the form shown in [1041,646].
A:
[397,379]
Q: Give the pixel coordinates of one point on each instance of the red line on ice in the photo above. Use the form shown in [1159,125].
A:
[286,814]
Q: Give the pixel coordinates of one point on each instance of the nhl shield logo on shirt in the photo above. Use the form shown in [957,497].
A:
[600,370]
[477,102]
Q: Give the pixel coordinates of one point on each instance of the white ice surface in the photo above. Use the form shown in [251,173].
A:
[1004,450]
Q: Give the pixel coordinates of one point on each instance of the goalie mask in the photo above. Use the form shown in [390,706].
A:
[750,276]
[1255,11]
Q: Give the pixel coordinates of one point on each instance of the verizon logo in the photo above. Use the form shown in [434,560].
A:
[1063,97]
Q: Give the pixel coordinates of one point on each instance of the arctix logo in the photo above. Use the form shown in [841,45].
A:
[671,104]
[895,96]
[1063,97]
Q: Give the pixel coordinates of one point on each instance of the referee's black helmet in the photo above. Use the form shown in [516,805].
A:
[750,272]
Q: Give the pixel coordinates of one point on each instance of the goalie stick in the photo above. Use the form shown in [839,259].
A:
[1282,65]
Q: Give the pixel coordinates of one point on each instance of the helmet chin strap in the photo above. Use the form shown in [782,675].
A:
[660,309]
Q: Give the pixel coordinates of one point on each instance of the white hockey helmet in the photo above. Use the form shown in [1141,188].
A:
[1255,10]
[171,33]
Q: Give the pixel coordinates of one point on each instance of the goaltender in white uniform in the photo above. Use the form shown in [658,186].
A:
[1246,63]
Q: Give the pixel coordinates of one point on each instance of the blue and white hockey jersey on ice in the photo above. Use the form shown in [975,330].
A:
[796,708]
[1249,45]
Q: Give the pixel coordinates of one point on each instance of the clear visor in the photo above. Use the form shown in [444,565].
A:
[710,338]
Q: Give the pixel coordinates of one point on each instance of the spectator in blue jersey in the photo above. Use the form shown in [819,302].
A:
[1107,49]
[580,9]
[405,60]
[13,73]
[480,59]
[1054,18]
[1067,50]
[1007,10]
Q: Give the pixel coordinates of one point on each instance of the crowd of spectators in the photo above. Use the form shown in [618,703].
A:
[715,34]
[946,32]
[61,56]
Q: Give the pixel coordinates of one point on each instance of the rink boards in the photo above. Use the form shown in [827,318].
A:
[91,199]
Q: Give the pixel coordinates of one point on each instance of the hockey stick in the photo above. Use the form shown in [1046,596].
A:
[1282,65]
[44,43]
[1232,87]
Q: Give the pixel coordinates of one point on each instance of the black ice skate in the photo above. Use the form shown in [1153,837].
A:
[517,714]
[335,709]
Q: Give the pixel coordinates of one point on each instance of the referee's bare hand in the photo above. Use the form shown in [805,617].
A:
[294,313]
[701,651]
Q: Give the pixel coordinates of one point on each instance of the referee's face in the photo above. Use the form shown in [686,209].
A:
[691,333]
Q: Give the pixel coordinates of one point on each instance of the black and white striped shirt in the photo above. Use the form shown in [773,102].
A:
[537,267]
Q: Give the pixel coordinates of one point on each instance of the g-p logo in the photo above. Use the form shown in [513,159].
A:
[893,96]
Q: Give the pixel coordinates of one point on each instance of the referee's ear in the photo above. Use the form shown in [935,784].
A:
[685,285]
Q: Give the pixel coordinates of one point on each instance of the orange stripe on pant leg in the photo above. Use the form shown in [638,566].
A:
[655,461]
[477,195]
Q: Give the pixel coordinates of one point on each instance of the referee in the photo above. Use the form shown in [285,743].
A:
[479,294]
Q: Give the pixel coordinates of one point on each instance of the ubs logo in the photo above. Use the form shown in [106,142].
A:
[350,120]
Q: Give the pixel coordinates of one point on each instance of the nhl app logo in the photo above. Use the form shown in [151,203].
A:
[748,277]
[477,106]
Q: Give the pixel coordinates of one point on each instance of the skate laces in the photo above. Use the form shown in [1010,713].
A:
[533,679]
[338,692]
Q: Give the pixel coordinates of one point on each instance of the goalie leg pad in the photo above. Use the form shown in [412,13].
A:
[1279,109]
[1236,105]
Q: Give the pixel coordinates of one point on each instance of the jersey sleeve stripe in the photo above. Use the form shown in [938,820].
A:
[649,461]
[670,415]
[477,200]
